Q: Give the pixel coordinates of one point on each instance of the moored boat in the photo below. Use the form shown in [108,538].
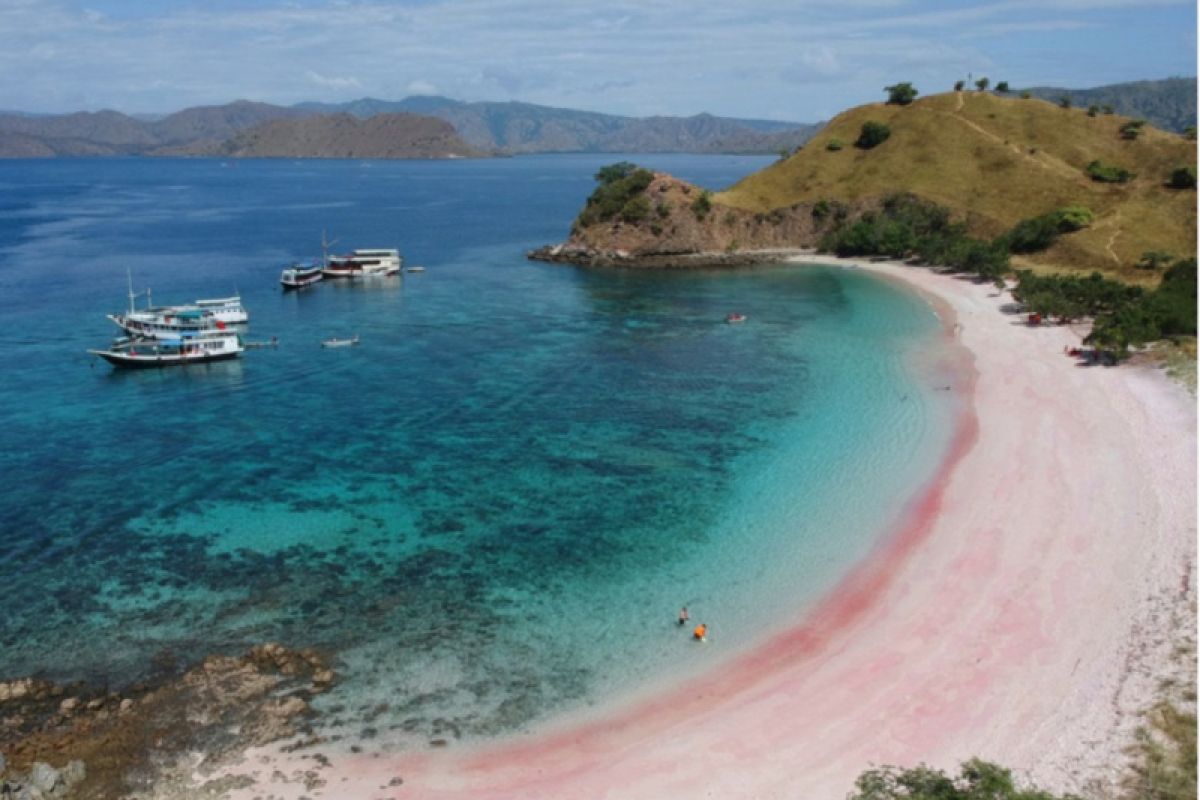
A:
[168,322]
[298,276]
[363,263]
[735,318]
[336,342]
[188,349]
[224,309]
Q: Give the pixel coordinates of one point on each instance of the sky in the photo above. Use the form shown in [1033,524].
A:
[797,60]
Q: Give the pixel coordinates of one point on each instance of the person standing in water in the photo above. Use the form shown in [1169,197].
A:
[683,616]
[700,632]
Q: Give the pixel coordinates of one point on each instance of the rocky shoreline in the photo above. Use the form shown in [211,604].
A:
[75,741]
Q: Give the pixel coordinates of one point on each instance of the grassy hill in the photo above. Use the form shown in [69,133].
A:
[1169,103]
[995,161]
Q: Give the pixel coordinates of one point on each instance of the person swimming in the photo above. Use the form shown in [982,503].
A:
[683,616]
[700,632]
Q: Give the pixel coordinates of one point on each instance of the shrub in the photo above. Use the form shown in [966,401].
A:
[1190,133]
[958,85]
[872,134]
[1064,102]
[1132,129]
[976,780]
[982,84]
[821,209]
[1002,87]
[1182,178]
[833,145]
[1026,95]
[1093,110]
[1108,109]
[901,94]
[636,210]
[702,204]
[1106,173]
[1038,233]
[663,210]
[1153,259]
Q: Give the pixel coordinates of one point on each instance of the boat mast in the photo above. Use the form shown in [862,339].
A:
[325,245]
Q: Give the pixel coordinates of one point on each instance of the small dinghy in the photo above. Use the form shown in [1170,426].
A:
[335,342]
[735,318]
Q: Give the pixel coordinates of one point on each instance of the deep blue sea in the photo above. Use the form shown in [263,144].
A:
[489,511]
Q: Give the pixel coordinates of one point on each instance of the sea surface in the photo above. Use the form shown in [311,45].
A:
[490,511]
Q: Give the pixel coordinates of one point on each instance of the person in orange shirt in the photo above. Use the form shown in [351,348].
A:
[700,632]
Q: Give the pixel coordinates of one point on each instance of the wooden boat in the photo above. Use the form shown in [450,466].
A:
[196,348]
[335,342]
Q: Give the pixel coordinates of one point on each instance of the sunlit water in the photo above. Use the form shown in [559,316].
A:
[491,510]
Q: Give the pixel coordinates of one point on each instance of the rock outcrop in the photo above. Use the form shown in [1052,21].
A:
[112,744]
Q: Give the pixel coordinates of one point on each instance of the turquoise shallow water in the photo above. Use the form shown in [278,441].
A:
[491,509]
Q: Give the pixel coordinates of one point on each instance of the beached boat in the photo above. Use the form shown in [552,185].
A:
[364,263]
[335,342]
[298,276]
[225,309]
[188,349]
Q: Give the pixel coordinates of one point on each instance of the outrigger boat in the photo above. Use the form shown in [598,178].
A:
[298,276]
[188,349]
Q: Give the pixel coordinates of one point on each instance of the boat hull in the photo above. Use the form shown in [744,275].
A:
[126,361]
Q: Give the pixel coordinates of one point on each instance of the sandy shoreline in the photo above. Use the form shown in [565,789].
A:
[1023,613]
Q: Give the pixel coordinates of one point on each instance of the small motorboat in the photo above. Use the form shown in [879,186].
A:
[416,268]
[336,342]
[735,318]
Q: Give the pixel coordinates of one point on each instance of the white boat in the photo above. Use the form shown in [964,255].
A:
[416,268]
[335,342]
[226,309]
[363,263]
[168,322]
[188,349]
[298,276]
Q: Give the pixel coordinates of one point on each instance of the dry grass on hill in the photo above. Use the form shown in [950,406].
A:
[995,161]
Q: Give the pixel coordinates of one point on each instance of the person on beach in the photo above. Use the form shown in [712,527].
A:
[683,616]
[700,632]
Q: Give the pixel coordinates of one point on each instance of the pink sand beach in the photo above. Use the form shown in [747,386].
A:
[1023,611]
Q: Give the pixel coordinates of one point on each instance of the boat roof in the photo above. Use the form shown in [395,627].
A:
[220,301]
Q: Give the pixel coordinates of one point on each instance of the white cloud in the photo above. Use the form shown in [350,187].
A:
[422,87]
[326,82]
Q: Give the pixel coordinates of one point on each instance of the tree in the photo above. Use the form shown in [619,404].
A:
[872,134]
[1153,259]
[958,85]
[1002,87]
[1107,173]
[901,94]
[1064,102]
[1093,110]
[1026,95]
[1182,178]
[982,84]
[1190,132]
[1108,109]
[702,204]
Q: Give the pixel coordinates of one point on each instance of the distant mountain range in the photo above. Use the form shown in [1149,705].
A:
[485,128]
[527,128]
[1169,104]
[482,128]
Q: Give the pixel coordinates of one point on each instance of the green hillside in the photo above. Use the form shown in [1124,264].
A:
[994,161]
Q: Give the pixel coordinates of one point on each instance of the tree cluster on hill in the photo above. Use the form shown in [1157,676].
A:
[1123,316]
[619,192]
[1168,104]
